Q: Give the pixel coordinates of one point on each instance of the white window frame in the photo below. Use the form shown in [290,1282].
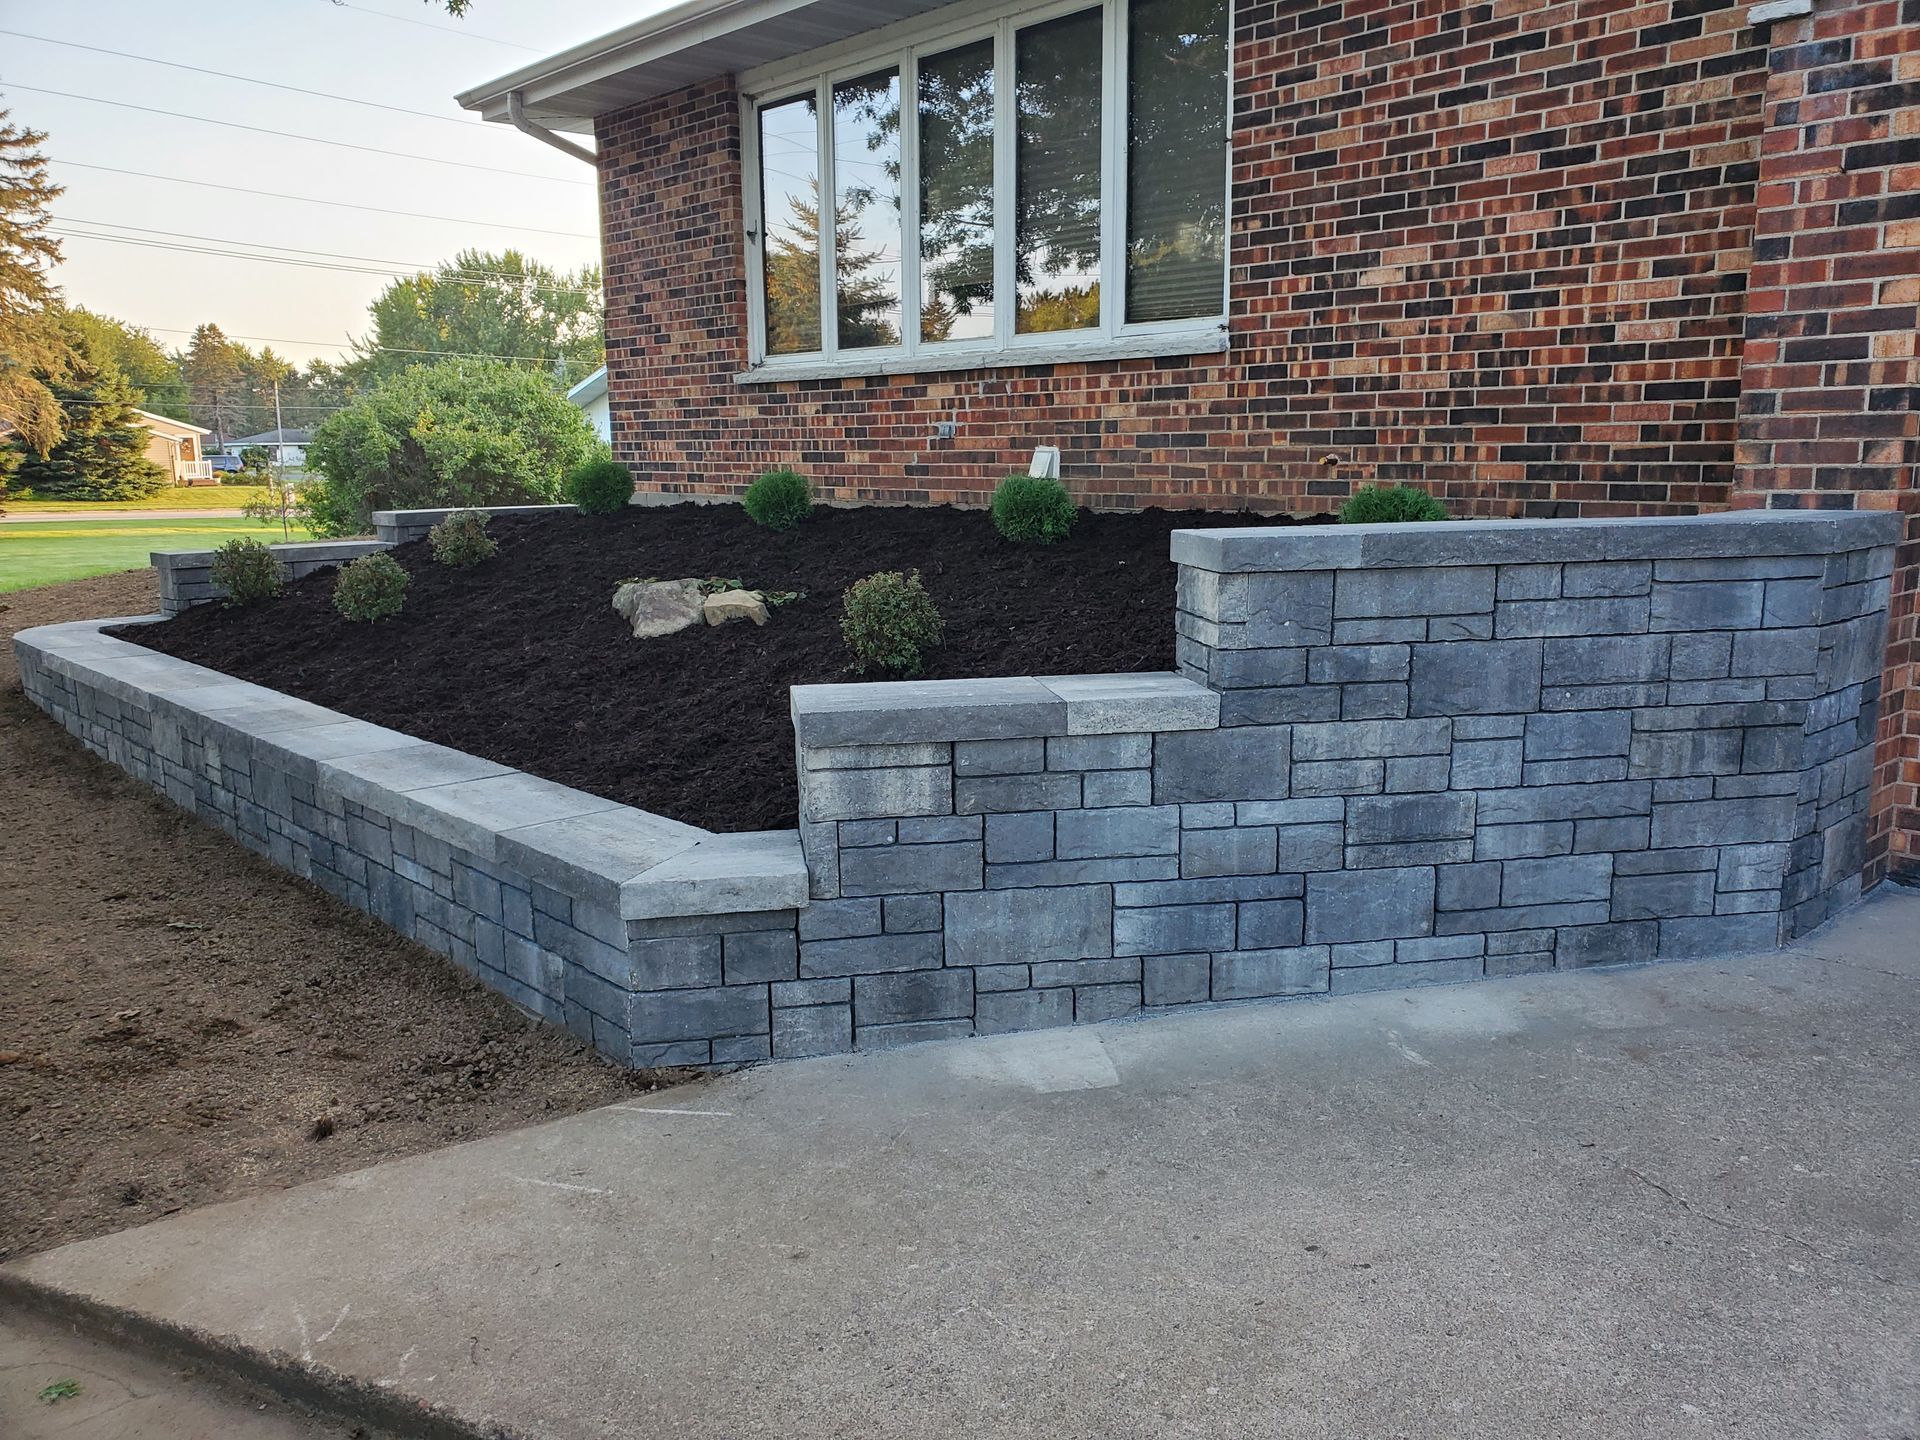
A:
[902,46]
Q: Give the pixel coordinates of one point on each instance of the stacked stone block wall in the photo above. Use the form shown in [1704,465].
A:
[186,576]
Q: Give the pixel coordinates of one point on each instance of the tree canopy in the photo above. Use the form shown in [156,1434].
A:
[35,350]
[101,452]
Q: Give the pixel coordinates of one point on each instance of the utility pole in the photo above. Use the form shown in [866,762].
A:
[279,476]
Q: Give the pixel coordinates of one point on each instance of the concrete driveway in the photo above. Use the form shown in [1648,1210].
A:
[1666,1202]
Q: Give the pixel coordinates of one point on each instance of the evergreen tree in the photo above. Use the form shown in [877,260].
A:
[34,347]
[101,453]
[153,373]
[216,383]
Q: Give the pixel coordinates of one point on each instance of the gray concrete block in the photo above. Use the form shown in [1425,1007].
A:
[840,919]
[1371,702]
[1387,819]
[1369,952]
[1476,677]
[1574,772]
[1752,867]
[1370,740]
[1616,577]
[1311,811]
[1008,793]
[1247,763]
[1379,631]
[1564,802]
[1528,963]
[1082,872]
[1776,652]
[1111,970]
[1000,757]
[1523,917]
[1240,851]
[1668,754]
[1271,924]
[1147,703]
[870,955]
[1173,929]
[997,926]
[1104,834]
[670,1015]
[1486,764]
[1105,788]
[1528,582]
[1489,727]
[1003,1012]
[1000,977]
[911,914]
[1655,897]
[1395,977]
[1723,822]
[911,869]
[1460,627]
[1339,777]
[1438,947]
[742,1049]
[1688,937]
[1258,669]
[1468,887]
[1705,655]
[905,711]
[1176,979]
[1709,605]
[1288,609]
[912,995]
[934,829]
[674,964]
[874,757]
[854,833]
[1578,734]
[837,990]
[1309,847]
[1279,706]
[1438,590]
[1418,774]
[1251,974]
[1620,832]
[914,1032]
[1792,602]
[1095,1003]
[1625,615]
[1021,835]
[814,1030]
[1344,664]
[1366,905]
[876,794]
[1556,879]
[1412,852]
[1100,752]
[1772,748]
[1203,892]
[1616,944]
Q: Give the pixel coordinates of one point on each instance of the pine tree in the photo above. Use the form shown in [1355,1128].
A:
[33,346]
[216,383]
[101,453]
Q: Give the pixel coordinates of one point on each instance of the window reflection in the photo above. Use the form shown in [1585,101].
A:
[956,193]
[866,221]
[790,212]
[1057,68]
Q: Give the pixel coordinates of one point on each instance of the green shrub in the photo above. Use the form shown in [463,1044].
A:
[374,587]
[454,434]
[247,571]
[461,540]
[600,487]
[779,499]
[889,623]
[1032,510]
[1390,505]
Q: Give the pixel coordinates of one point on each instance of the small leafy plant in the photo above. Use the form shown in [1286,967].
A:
[1032,510]
[889,623]
[374,587]
[779,499]
[247,571]
[600,487]
[1390,505]
[59,1390]
[461,540]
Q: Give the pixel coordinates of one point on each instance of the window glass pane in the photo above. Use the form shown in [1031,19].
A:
[1176,161]
[866,224]
[1057,173]
[956,194]
[790,213]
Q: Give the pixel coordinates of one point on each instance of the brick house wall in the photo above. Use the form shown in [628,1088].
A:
[1828,414]
[1502,250]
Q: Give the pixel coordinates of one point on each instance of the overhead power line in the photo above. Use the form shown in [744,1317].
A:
[437,29]
[292,135]
[315,200]
[383,349]
[404,267]
[473,125]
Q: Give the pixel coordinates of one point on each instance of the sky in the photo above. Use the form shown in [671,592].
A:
[395,52]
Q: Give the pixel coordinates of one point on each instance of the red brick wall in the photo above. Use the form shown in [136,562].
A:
[1828,413]
[1499,249]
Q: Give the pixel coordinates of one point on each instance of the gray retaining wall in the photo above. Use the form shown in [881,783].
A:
[1393,755]
[397,527]
[186,576]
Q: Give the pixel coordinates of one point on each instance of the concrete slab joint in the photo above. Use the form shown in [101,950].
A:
[1389,756]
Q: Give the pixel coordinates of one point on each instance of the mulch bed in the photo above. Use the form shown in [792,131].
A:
[524,662]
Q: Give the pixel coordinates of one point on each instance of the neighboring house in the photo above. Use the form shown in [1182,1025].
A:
[177,448]
[1605,256]
[283,447]
[590,395]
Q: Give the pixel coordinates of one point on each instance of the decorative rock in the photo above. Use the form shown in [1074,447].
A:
[658,607]
[735,605]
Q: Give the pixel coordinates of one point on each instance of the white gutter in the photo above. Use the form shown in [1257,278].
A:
[517,113]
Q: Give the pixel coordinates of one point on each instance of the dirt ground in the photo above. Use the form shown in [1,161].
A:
[522,659]
[181,1023]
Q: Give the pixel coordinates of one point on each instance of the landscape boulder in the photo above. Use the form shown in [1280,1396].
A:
[658,607]
[735,605]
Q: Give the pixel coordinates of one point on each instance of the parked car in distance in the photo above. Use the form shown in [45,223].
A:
[225,464]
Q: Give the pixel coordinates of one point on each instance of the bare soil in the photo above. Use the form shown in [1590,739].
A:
[523,661]
[181,1023]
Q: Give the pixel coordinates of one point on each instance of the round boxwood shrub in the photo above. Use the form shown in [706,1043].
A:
[600,487]
[889,623]
[1390,505]
[1032,510]
[461,540]
[374,587]
[247,571]
[779,499]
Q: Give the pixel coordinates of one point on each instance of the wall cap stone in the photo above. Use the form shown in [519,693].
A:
[1017,707]
[408,519]
[1724,535]
[287,552]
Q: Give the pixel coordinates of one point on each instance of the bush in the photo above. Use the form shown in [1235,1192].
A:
[247,571]
[461,540]
[1390,505]
[374,587]
[779,499]
[255,462]
[1032,510]
[455,434]
[889,623]
[600,487]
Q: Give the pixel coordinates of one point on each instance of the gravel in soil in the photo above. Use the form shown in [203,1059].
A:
[523,661]
[181,1023]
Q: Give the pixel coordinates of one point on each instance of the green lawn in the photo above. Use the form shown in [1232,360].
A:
[45,552]
[175,497]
